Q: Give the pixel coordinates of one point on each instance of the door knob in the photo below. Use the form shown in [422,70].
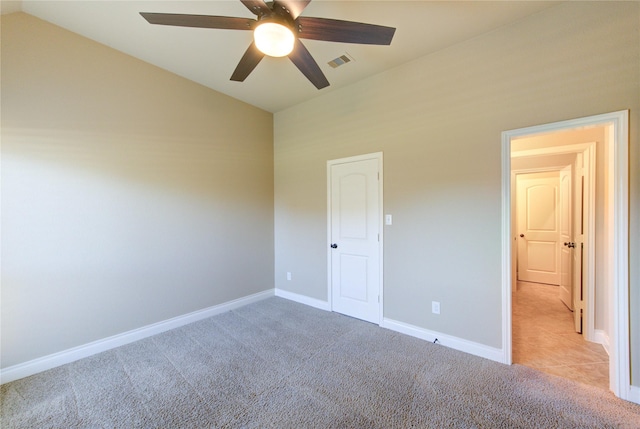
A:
[570,244]
[334,246]
[521,235]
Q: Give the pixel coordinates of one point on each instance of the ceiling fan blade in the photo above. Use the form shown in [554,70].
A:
[257,7]
[199,21]
[294,7]
[335,30]
[307,65]
[248,62]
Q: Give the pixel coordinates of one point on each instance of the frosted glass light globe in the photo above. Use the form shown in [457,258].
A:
[273,39]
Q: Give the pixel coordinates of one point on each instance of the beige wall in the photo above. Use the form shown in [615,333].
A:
[439,121]
[129,195]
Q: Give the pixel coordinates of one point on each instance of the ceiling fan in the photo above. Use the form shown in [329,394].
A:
[277,32]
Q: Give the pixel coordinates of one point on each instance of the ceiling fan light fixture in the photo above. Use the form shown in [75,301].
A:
[274,39]
[276,30]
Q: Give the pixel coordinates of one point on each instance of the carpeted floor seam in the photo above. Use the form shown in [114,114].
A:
[184,378]
[136,387]
[312,354]
[76,399]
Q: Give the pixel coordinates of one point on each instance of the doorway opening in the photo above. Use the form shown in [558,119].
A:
[558,200]
[606,320]
[554,202]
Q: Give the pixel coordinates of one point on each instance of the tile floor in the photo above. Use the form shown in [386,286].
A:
[543,337]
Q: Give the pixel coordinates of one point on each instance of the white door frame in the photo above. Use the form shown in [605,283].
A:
[330,163]
[618,246]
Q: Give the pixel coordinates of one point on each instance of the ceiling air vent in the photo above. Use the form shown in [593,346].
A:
[341,60]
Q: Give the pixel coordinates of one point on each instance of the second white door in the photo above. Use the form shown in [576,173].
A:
[537,211]
[354,217]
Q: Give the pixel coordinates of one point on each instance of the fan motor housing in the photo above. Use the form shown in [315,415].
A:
[277,18]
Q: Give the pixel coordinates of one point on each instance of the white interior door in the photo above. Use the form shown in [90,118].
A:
[580,236]
[354,238]
[566,237]
[537,201]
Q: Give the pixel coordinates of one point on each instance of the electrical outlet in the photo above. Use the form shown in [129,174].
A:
[288,275]
[435,307]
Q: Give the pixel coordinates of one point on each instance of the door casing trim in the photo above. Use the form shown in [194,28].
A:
[618,169]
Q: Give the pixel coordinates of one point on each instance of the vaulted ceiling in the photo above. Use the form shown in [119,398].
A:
[209,56]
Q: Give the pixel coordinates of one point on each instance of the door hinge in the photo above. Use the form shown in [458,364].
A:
[378,237]
[378,299]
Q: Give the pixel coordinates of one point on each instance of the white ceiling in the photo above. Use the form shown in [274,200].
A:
[209,56]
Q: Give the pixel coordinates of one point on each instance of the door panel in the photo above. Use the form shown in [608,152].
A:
[537,200]
[541,256]
[352,209]
[566,236]
[353,277]
[580,237]
[541,205]
[355,254]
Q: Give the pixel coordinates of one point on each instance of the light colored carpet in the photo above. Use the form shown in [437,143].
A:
[279,364]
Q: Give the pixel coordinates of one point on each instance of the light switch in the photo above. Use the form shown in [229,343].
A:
[388,220]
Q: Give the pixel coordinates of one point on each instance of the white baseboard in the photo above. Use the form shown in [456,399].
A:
[456,343]
[44,363]
[405,328]
[601,337]
[313,302]
[634,394]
